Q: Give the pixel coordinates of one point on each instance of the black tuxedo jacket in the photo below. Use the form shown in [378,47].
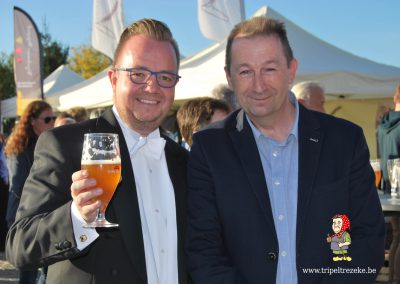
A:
[231,231]
[42,234]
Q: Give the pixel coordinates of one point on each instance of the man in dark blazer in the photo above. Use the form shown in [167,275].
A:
[265,183]
[48,229]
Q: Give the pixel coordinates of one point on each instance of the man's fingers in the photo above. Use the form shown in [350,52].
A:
[80,175]
[88,212]
[82,184]
[87,197]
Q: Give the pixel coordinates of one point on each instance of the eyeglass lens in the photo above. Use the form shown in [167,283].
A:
[47,119]
[164,79]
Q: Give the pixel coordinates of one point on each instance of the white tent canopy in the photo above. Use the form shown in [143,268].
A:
[339,72]
[59,79]
[92,93]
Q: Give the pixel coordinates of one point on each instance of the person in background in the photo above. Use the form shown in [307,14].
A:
[388,135]
[310,94]
[78,113]
[63,118]
[36,119]
[265,182]
[196,114]
[3,193]
[225,93]
[150,200]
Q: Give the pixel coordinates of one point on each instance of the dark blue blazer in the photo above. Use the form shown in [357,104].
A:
[231,233]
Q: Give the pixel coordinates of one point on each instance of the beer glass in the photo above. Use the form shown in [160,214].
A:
[101,158]
[393,169]
[376,166]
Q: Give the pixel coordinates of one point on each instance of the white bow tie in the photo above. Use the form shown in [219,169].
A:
[153,147]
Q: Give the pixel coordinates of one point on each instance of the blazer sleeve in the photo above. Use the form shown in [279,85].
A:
[367,221]
[42,233]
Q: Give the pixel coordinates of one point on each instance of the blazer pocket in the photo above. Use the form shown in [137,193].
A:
[330,188]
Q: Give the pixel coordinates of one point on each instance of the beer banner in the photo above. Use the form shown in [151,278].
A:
[218,17]
[27,60]
[108,25]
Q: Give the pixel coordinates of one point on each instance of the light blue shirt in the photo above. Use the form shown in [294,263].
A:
[280,164]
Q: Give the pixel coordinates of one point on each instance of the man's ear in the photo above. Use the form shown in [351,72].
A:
[112,75]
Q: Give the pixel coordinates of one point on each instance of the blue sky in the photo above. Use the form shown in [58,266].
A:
[367,28]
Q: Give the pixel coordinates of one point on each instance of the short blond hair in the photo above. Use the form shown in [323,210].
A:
[149,27]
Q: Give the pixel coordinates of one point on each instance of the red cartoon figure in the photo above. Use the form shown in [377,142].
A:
[340,240]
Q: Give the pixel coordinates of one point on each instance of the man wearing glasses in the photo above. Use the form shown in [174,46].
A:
[149,202]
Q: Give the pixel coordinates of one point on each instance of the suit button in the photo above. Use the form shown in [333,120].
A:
[272,256]
[65,245]
[114,272]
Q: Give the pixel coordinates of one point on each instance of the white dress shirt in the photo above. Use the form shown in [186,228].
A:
[156,200]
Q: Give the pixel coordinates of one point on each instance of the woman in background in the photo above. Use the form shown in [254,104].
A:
[37,118]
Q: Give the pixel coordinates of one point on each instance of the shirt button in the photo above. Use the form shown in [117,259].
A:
[150,170]
[275,153]
[157,211]
[272,256]
[280,217]
[162,251]
[283,253]
[277,183]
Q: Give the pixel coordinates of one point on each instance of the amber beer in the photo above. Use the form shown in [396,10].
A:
[378,176]
[376,165]
[107,174]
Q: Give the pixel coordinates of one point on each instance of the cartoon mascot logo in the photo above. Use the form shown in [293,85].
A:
[340,240]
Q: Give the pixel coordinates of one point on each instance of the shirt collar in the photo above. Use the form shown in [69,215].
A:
[131,136]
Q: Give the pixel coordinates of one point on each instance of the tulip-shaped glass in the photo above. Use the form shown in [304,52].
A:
[101,158]
[393,169]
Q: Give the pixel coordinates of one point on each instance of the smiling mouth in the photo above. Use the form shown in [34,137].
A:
[148,102]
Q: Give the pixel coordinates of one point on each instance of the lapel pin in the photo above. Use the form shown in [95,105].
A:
[314,140]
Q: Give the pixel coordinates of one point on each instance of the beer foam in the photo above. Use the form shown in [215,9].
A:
[102,162]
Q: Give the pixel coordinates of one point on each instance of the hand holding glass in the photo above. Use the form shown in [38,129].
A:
[101,158]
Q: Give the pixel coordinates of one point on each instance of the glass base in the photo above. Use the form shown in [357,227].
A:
[100,224]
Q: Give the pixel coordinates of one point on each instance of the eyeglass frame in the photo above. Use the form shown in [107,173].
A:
[151,74]
[48,119]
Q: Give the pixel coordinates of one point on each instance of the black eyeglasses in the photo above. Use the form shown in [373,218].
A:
[47,119]
[142,75]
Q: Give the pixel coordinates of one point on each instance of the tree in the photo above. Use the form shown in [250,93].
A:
[87,62]
[54,53]
[7,84]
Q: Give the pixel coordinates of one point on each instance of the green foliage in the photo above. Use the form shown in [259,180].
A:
[87,61]
[54,53]
[7,84]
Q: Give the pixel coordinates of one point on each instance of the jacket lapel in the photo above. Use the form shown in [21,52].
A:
[246,148]
[310,144]
[124,204]
[177,171]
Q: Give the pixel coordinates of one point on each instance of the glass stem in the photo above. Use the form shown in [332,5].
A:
[100,216]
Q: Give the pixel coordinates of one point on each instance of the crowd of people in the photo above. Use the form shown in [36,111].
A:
[259,179]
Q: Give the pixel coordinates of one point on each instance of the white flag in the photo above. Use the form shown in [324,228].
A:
[108,24]
[218,17]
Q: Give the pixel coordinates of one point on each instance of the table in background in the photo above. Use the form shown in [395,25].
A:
[391,208]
